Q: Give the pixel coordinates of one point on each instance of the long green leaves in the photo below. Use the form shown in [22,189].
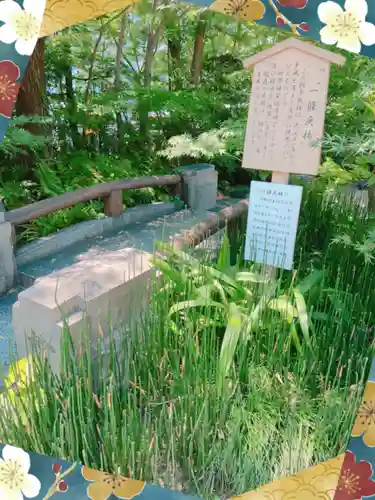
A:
[229,345]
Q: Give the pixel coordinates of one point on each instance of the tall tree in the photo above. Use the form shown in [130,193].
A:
[174,31]
[32,99]
[90,78]
[154,31]
[174,61]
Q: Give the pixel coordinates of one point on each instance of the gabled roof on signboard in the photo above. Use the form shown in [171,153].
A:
[294,43]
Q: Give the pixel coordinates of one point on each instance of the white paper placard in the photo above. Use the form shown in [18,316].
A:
[272,223]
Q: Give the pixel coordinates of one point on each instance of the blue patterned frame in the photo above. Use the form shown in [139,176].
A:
[303,21]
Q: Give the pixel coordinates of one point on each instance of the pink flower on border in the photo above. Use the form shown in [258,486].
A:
[355,479]
[9,87]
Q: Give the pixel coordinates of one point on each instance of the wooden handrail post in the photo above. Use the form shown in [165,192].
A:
[113,204]
[178,189]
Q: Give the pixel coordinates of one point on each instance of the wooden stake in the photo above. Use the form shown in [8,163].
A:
[270,272]
[280,178]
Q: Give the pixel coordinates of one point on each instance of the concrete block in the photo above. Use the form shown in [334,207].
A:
[7,260]
[109,290]
[200,183]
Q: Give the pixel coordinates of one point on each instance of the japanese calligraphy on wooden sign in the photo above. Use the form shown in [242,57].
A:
[272,223]
[287,107]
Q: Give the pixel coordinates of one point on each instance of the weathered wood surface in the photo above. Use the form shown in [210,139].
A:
[50,205]
[214,223]
[113,204]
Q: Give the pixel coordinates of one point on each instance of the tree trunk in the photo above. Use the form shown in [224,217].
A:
[89,83]
[197,62]
[152,42]
[72,107]
[31,100]
[61,126]
[174,52]
[371,199]
[144,107]
[120,48]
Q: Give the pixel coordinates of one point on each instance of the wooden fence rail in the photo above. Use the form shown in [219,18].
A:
[111,192]
[198,233]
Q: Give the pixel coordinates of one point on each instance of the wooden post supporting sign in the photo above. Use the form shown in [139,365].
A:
[284,132]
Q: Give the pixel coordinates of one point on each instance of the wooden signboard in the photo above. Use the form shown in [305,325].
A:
[287,107]
[283,135]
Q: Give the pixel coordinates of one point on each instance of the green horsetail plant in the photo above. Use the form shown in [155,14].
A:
[194,394]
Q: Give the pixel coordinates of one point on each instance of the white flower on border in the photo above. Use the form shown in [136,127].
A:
[346,28]
[21,25]
[15,480]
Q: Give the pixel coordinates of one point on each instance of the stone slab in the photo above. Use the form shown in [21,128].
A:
[141,236]
[108,288]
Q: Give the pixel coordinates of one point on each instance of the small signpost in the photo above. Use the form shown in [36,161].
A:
[283,135]
[272,223]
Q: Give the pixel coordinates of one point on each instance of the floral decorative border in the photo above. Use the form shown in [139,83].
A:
[346,24]
[20,25]
[40,477]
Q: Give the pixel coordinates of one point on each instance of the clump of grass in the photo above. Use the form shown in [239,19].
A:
[191,400]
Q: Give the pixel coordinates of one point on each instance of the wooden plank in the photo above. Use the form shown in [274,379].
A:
[178,190]
[280,178]
[198,233]
[51,205]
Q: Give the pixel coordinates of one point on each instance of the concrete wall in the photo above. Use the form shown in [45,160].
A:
[7,260]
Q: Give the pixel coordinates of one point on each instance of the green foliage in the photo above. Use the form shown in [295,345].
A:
[73,172]
[223,296]
[18,140]
[333,174]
